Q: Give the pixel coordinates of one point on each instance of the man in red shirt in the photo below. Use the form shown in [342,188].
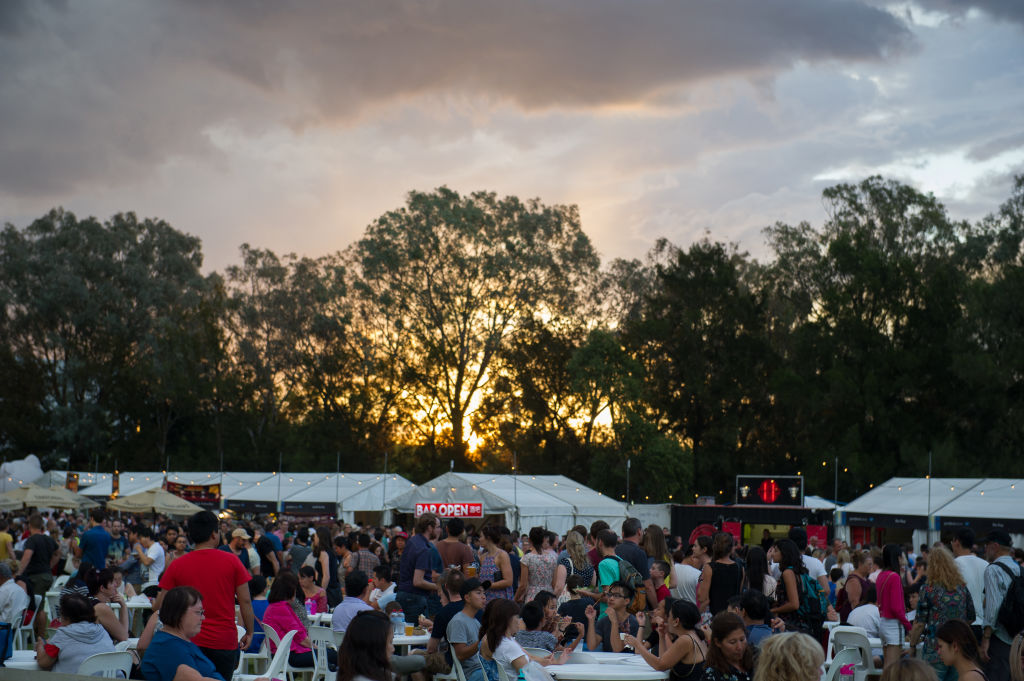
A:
[221,578]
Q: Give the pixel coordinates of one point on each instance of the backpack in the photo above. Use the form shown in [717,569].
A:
[813,602]
[630,575]
[1011,612]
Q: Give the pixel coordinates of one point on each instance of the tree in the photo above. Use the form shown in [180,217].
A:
[701,338]
[85,302]
[454,278]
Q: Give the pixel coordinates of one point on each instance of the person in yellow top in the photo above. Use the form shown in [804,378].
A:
[6,542]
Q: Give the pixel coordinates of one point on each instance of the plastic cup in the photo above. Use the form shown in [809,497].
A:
[408,629]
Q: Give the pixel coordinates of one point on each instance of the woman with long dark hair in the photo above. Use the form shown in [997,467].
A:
[722,578]
[788,593]
[326,565]
[366,649]
[891,606]
[958,648]
[729,656]
[757,575]
[686,655]
[495,565]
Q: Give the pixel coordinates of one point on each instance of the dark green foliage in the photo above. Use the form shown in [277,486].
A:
[481,331]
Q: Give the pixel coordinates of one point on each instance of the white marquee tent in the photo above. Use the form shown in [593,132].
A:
[939,504]
[524,501]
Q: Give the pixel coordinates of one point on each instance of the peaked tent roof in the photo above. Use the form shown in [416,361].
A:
[910,496]
[505,494]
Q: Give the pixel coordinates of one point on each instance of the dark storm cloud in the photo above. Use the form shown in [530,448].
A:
[94,94]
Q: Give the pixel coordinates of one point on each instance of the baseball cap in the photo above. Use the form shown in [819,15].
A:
[240,532]
[472,584]
[998,537]
[403,535]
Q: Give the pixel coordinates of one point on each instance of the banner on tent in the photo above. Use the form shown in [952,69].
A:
[314,507]
[451,509]
[207,496]
[981,526]
[883,520]
[249,506]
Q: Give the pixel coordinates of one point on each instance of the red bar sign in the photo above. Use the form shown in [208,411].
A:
[451,509]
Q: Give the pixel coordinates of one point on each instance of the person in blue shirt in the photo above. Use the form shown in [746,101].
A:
[754,609]
[95,542]
[171,648]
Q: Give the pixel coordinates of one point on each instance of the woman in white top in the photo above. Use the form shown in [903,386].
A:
[498,645]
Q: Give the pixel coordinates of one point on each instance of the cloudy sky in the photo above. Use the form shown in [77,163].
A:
[292,125]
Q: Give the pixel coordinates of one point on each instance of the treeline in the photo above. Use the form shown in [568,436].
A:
[485,332]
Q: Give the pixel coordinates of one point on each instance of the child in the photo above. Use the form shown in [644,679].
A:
[533,636]
[659,570]
[835,575]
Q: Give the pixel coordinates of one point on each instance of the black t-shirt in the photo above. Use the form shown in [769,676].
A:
[42,551]
[627,550]
[265,548]
[576,608]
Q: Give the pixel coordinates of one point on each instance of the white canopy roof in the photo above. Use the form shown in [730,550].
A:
[999,498]
[100,485]
[910,496]
[354,491]
[817,503]
[505,494]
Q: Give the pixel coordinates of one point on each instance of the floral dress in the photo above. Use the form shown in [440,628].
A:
[541,572]
[712,674]
[489,572]
[936,607]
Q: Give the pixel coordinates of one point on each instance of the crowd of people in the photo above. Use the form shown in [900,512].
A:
[712,609]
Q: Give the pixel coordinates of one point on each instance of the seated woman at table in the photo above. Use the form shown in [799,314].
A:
[280,617]
[498,645]
[78,637]
[684,657]
[729,656]
[789,657]
[170,654]
[311,591]
[123,587]
[605,633]
[103,593]
[366,649]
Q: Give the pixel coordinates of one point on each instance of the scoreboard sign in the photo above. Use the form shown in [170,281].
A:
[451,509]
[770,490]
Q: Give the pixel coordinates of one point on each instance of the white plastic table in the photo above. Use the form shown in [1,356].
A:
[607,671]
[23,659]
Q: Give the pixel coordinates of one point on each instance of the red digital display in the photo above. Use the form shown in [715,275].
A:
[769,491]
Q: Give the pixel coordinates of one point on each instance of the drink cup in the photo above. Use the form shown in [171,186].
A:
[471,571]
[408,629]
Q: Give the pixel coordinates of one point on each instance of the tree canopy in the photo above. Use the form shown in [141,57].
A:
[485,330]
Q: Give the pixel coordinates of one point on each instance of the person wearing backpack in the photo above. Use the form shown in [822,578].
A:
[798,596]
[630,550]
[1000,576]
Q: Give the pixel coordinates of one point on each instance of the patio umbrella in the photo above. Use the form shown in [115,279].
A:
[154,501]
[32,495]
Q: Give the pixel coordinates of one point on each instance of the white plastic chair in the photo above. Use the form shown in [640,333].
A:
[277,663]
[457,670]
[840,660]
[107,665]
[537,652]
[856,638]
[59,582]
[263,654]
[321,638]
[24,634]
[272,636]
